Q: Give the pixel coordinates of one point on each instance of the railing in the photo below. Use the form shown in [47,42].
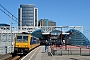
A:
[70,50]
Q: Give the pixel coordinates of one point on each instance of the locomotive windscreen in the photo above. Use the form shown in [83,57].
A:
[22,39]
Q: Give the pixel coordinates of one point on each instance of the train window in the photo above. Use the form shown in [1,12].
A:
[38,41]
[22,38]
[19,38]
[25,38]
[33,41]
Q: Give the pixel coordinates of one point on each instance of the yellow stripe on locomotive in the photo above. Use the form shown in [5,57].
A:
[24,43]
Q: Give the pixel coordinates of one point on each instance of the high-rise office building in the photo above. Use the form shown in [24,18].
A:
[46,22]
[27,15]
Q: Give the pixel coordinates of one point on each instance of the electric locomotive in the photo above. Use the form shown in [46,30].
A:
[24,43]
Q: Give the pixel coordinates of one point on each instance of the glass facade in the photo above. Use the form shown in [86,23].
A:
[37,33]
[27,15]
[78,38]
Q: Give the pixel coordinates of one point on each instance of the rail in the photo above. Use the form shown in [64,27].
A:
[16,58]
[5,56]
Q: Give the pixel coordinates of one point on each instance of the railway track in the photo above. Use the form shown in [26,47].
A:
[5,56]
[9,57]
[15,58]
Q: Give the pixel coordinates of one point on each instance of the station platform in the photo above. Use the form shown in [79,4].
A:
[40,54]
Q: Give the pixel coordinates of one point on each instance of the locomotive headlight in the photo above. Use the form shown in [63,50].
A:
[26,49]
[26,46]
[15,48]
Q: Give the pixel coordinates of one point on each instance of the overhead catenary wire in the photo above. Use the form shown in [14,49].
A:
[4,10]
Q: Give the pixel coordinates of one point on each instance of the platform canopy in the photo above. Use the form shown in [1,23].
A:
[37,33]
[78,38]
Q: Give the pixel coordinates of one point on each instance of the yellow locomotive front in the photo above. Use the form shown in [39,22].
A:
[22,45]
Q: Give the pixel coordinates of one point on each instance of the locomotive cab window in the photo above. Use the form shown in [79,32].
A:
[22,38]
[25,38]
[19,38]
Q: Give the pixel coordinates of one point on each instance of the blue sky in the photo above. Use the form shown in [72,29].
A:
[63,12]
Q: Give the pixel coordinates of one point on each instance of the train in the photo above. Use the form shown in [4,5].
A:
[24,43]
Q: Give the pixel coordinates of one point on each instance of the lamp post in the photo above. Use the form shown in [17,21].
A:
[11,31]
[61,34]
